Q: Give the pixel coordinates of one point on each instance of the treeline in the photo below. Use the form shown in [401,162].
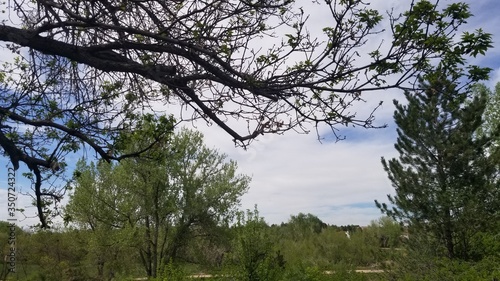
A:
[304,248]
[249,250]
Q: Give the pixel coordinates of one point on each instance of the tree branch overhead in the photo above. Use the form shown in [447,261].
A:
[95,67]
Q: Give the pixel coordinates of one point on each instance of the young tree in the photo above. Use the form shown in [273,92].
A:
[302,226]
[176,191]
[84,69]
[255,254]
[98,213]
[444,176]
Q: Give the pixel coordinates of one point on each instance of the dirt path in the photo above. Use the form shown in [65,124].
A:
[360,271]
[202,275]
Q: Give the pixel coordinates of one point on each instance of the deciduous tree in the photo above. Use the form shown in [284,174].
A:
[255,255]
[302,226]
[491,115]
[175,192]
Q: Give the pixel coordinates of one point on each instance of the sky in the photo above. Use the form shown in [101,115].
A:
[295,173]
[336,181]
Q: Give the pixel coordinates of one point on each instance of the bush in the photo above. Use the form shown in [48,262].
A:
[445,269]
[172,272]
[254,256]
[340,272]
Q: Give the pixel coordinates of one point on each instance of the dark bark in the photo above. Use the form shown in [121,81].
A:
[101,57]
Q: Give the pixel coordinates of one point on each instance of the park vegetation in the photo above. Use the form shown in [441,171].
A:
[156,203]
[304,248]
[173,214]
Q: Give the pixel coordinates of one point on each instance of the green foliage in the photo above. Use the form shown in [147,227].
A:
[428,269]
[453,53]
[254,255]
[444,177]
[257,252]
[302,273]
[172,272]
[51,255]
[370,17]
[176,194]
[387,231]
[339,272]
[485,245]
[302,225]
[331,247]
[491,116]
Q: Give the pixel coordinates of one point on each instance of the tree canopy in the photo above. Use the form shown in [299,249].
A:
[178,192]
[84,71]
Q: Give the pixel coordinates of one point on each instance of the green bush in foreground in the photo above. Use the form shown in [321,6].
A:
[340,272]
[444,269]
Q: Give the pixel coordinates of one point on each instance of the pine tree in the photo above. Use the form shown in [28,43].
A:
[444,177]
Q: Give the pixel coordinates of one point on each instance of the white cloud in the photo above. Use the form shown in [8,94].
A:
[494,78]
[295,173]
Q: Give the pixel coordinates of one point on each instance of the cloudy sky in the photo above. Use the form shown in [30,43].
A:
[336,181]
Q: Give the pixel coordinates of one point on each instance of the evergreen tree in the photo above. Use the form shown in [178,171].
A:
[444,177]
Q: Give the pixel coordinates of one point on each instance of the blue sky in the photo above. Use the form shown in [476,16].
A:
[337,181]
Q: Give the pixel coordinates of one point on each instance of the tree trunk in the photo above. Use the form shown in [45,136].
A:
[448,234]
